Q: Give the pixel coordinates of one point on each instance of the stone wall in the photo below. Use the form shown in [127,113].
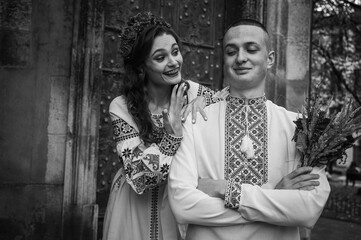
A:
[35,55]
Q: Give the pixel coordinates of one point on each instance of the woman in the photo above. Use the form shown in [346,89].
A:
[147,129]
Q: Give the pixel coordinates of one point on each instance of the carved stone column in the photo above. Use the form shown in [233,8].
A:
[289,24]
[80,212]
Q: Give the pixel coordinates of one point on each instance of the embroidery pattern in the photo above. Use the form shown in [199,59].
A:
[169,144]
[207,93]
[154,232]
[143,169]
[122,130]
[232,195]
[237,168]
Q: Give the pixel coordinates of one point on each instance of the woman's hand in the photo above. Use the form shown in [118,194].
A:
[212,187]
[301,178]
[172,117]
[197,105]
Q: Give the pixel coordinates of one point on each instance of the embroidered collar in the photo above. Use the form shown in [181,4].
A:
[246,101]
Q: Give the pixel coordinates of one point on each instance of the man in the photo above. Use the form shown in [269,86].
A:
[236,175]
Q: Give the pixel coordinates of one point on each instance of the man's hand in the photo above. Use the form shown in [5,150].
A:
[301,178]
[213,188]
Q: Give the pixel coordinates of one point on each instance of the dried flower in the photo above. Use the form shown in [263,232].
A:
[323,137]
[135,26]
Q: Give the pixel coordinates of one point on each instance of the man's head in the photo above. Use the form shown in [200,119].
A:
[247,57]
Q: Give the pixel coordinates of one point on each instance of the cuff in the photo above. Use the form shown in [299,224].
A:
[169,144]
[232,196]
[207,93]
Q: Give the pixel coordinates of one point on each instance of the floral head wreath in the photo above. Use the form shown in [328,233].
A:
[135,27]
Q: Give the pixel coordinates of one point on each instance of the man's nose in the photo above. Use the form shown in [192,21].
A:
[241,56]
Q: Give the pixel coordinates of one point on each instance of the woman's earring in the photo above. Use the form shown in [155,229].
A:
[141,74]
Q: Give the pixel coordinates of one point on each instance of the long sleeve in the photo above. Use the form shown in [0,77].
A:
[282,207]
[145,166]
[198,90]
[190,205]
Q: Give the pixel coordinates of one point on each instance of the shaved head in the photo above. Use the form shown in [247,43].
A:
[252,22]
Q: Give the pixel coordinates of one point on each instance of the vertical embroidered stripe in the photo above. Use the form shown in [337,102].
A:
[154,215]
[237,167]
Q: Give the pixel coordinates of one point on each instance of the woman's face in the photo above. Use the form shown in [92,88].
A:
[164,63]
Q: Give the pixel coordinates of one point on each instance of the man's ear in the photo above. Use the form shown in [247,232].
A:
[271,59]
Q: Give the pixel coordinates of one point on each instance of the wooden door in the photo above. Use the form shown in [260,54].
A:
[200,26]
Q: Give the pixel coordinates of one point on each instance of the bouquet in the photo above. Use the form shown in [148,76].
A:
[323,137]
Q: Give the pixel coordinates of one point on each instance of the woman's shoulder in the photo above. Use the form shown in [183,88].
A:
[118,103]
[118,109]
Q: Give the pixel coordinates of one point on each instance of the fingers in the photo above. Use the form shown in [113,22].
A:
[308,188]
[185,111]
[177,98]
[173,97]
[299,171]
[203,113]
[194,113]
[307,185]
[165,118]
[180,92]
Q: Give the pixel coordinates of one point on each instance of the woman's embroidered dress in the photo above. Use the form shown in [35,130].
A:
[138,206]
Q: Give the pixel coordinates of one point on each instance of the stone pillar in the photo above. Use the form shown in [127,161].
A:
[289,24]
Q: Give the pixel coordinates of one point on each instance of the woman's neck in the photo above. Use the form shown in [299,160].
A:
[159,98]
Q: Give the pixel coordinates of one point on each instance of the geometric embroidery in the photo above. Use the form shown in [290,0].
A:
[169,144]
[237,167]
[207,93]
[122,130]
[142,169]
[153,231]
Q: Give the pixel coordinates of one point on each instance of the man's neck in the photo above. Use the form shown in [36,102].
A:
[246,93]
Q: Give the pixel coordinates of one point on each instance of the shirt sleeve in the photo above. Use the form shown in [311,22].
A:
[281,206]
[190,205]
[145,166]
[198,90]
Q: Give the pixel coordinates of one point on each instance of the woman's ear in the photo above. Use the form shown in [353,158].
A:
[140,70]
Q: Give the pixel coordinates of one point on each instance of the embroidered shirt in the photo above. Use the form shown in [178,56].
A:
[252,208]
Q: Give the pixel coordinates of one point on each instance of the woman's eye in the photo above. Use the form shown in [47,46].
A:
[175,52]
[159,58]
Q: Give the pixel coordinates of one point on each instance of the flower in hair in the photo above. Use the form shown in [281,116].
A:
[134,28]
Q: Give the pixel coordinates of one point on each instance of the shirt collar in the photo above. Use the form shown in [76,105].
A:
[246,101]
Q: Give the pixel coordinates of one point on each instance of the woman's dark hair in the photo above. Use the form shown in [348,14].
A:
[135,81]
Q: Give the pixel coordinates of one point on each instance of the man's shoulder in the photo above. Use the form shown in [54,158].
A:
[279,110]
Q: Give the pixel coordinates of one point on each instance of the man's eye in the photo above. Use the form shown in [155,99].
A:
[231,53]
[252,50]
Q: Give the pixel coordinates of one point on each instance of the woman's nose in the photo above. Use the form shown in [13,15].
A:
[172,61]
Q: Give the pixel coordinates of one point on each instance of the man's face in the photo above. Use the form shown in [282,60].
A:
[246,57]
